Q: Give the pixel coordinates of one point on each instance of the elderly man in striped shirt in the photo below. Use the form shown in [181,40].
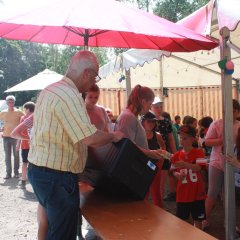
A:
[60,136]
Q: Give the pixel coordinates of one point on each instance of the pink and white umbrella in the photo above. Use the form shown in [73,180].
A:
[211,18]
[96,23]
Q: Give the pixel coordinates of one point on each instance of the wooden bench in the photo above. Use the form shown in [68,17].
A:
[123,219]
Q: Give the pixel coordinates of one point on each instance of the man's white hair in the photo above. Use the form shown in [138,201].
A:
[10,97]
[81,61]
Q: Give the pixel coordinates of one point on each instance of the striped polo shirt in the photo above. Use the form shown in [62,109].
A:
[60,123]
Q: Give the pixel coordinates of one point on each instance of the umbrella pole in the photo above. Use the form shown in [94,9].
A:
[86,37]
[229,185]
[128,82]
[161,76]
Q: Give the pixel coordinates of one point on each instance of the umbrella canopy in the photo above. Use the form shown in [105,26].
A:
[185,69]
[37,82]
[212,17]
[95,23]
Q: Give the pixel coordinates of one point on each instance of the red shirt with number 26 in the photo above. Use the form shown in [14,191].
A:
[191,188]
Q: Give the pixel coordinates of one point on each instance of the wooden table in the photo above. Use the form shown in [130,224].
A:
[115,218]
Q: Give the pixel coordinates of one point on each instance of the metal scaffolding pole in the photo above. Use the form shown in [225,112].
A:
[230,205]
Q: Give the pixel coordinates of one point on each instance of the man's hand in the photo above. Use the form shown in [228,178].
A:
[18,145]
[233,161]
[154,154]
[117,136]
[17,148]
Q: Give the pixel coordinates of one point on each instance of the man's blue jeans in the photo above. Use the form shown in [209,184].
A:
[9,145]
[58,193]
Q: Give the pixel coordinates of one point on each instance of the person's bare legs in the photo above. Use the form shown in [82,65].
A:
[155,190]
[209,205]
[215,186]
[42,223]
[198,224]
[24,176]
[163,178]
[172,183]
[24,171]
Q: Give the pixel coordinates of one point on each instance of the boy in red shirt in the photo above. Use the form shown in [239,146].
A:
[190,189]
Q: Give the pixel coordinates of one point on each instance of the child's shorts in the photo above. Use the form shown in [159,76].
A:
[25,155]
[196,209]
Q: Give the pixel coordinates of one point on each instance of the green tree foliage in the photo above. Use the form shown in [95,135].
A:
[141,4]
[21,60]
[175,10]
[57,57]
[101,54]
[144,4]
[17,63]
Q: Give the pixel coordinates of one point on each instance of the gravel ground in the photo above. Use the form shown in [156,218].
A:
[18,219]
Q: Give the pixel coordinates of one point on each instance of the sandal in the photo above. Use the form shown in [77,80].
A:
[205,225]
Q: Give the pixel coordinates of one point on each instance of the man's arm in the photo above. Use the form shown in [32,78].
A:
[172,142]
[160,141]
[213,142]
[100,138]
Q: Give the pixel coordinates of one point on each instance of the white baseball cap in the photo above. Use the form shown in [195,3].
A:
[157,100]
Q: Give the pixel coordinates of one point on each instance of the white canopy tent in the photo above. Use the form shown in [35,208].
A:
[37,82]
[220,20]
[178,69]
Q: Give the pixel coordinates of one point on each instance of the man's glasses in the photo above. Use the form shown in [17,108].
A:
[97,78]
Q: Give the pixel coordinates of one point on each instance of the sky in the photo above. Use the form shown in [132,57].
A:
[11,5]
[20,3]
[23,3]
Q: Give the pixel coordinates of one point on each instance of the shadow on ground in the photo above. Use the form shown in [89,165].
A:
[11,183]
[29,196]
[216,228]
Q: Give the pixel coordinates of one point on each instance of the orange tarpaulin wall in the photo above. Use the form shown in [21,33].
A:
[194,101]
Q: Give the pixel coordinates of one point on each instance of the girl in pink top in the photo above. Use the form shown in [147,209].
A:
[214,139]
[24,143]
